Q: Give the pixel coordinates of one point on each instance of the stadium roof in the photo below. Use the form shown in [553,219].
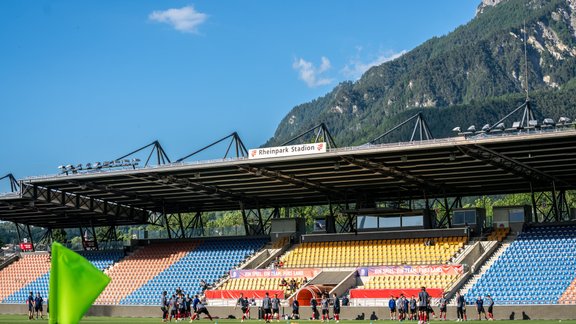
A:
[452,167]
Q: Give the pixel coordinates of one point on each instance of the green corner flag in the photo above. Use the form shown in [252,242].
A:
[74,285]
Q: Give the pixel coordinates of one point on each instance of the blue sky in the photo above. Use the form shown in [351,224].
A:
[84,81]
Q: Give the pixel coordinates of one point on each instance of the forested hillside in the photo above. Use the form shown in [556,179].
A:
[473,75]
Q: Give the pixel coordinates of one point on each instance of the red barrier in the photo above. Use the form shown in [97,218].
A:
[386,293]
[235,294]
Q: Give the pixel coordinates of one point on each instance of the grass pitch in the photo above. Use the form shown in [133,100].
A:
[13,319]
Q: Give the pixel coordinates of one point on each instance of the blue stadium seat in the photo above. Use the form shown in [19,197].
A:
[535,269]
[209,261]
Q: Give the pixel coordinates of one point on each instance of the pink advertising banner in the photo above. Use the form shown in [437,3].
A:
[276,273]
[442,269]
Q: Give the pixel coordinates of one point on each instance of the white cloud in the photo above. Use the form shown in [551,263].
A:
[356,67]
[313,75]
[185,19]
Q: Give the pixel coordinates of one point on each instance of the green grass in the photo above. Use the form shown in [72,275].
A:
[117,320]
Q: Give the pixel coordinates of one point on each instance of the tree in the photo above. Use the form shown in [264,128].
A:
[59,235]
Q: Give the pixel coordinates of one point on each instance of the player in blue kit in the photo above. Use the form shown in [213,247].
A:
[480,307]
[30,302]
[392,307]
[38,301]
[295,309]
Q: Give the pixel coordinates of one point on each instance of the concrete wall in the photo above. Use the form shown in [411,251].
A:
[557,312]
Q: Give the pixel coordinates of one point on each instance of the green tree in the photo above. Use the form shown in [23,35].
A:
[59,235]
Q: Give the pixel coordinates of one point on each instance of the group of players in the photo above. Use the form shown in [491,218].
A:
[325,307]
[408,308]
[271,308]
[180,307]
[35,305]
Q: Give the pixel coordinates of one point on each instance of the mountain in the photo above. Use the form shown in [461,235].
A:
[473,75]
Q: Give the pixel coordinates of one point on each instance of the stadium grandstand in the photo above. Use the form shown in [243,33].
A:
[395,223]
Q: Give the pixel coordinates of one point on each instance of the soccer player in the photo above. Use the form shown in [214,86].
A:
[423,299]
[30,302]
[267,308]
[490,304]
[413,306]
[325,305]
[480,307]
[314,306]
[336,308]
[276,308]
[442,304]
[188,302]
[181,302]
[295,309]
[430,310]
[400,307]
[172,307]
[200,309]
[460,307]
[164,306]
[406,307]
[244,306]
[38,305]
[392,307]
[195,302]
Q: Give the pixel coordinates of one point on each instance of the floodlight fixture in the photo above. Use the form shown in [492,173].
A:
[96,165]
[517,125]
[534,123]
[486,128]
[500,126]
[88,166]
[457,129]
[564,120]
[549,122]
[472,128]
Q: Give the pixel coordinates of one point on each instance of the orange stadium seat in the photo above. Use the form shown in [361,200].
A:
[22,272]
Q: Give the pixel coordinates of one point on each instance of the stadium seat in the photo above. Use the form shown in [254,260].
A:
[203,260]
[373,252]
[537,268]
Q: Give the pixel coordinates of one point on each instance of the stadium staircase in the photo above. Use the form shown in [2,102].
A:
[537,268]
[6,261]
[481,271]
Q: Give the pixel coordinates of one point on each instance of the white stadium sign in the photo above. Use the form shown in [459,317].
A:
[270,152]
